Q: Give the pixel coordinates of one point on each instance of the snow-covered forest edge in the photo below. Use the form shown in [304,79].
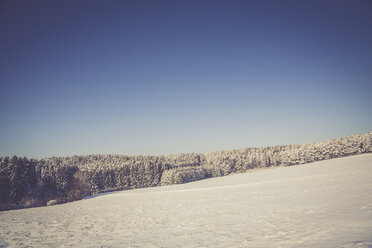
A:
[30,183]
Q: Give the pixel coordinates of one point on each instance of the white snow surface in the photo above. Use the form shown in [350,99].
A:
[322,204]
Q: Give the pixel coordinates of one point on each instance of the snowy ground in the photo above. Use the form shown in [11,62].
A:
[323,204]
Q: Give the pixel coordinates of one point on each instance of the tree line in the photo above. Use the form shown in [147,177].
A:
[29,182]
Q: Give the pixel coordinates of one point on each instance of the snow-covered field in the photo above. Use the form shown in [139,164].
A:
[323,204]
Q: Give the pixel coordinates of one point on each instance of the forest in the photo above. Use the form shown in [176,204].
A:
[30,183]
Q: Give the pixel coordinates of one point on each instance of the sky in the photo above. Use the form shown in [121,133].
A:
[165,77]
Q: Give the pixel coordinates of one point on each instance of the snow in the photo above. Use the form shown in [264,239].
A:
[322,204]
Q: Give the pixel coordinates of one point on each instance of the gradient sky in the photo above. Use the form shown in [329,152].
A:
[161,77]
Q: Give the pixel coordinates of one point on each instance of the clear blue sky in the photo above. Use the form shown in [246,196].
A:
[161,77]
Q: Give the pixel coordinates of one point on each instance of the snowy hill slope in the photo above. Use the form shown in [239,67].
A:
[322,204]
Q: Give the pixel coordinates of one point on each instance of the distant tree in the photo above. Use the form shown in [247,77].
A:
[4,180]
[77,187]
[17,169]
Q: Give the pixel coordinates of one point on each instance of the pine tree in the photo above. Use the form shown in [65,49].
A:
[17,178]
[4,180]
